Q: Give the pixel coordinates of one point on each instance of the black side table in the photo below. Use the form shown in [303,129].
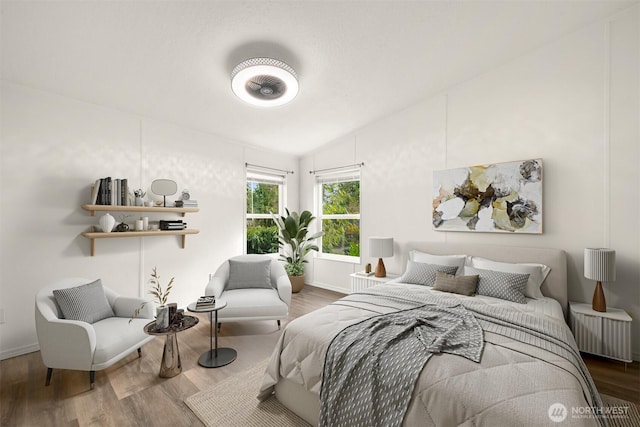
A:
[214,357]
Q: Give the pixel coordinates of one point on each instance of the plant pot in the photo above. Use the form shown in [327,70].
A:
[297,283]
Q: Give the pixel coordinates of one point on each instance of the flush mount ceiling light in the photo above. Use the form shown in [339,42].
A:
[264,82]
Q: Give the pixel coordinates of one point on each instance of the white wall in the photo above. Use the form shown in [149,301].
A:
[53,148]
[574,103]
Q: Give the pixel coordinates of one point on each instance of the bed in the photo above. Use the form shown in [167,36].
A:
[523,377]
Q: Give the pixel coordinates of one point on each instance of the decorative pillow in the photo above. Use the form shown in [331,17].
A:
[463,285]
[249,274]
[457,260]
[537,273]
[419,273]
[86,303]
[498,284]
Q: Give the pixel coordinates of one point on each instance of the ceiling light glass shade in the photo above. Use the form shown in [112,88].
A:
[264,82]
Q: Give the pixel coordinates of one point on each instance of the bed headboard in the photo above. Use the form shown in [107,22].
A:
[555,286]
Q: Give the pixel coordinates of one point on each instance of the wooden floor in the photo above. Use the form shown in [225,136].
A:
[130,393]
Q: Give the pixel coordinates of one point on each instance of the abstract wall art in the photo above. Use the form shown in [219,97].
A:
[500,197]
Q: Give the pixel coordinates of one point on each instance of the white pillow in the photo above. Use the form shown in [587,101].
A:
[448,260]
[537,273]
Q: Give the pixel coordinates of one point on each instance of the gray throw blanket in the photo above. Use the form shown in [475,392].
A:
[371,367]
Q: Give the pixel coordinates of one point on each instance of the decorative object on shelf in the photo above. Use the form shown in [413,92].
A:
[185,194]
[296,244]
[139,225]
[107,221]
[599,265]
[380,247]
[139,196]
[164,188]
[160,295]
[264,82]
[94,234]
[145,223]
[367,268]
[123,226]
[499,197]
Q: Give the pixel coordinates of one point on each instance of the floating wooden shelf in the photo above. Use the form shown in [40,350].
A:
[93,235]
[114,208]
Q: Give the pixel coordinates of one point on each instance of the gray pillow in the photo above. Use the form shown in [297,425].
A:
[86,303]
[419,273]
[249,274]
[463,285]
[498,284]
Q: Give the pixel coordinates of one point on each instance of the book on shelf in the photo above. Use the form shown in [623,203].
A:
[110,191]
[206,302]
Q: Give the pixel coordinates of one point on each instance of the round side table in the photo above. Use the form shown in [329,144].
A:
[171,364]
[214,357]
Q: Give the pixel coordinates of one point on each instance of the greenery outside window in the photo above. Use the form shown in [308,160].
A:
[339,214]
[265,195]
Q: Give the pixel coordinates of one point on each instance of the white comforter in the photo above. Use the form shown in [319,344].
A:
[515,384]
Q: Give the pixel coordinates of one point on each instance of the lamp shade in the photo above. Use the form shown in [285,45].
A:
[380,247]
[600,264]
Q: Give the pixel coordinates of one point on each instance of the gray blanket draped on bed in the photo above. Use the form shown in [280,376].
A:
[371,367]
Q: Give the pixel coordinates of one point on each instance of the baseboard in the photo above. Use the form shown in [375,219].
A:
[19,351]
[330,287]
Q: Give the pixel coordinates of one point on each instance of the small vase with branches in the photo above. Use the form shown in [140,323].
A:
[160,294]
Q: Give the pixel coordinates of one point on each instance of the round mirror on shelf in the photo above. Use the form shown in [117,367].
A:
[164,187]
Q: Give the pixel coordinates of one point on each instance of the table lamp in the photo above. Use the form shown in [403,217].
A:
[599,265]
[380,247]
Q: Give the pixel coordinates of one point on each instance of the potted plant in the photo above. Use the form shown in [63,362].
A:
[296,244]
[160,297]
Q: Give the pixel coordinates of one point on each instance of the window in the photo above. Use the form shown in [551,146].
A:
[339,213]
[265,195]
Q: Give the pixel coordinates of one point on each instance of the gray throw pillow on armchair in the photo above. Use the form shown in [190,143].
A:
[86,303]
[249,274]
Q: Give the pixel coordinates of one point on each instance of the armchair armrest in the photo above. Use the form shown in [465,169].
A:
[66,344]
[284,289]
[215,286]
[126,307]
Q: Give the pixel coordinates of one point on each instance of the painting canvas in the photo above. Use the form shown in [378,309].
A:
[501,197]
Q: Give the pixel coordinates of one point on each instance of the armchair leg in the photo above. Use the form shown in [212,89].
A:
[278,324]
[139,351]
[49,372]
[92,379]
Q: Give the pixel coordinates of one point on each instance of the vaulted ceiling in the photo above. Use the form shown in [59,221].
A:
[357,61]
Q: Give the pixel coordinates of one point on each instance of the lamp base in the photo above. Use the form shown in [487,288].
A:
[599,303]
[380,270]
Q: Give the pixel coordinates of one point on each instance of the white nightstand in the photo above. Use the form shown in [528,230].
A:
[360,282]
[605,334]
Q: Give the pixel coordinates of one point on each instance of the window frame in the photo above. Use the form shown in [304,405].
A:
[350,175]
[261,177]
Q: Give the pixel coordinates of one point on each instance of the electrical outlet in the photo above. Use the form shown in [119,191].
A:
[1,315]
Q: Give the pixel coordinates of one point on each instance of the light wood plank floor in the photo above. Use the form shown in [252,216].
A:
[130,393]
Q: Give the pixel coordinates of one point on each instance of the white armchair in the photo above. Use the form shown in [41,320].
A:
[77,345]
[251,303]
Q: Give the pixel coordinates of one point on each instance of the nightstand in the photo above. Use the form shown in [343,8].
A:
[605,334]
[360,282]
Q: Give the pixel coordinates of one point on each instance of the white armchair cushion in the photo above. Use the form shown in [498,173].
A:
[249,273]
[115,338]
[86,303]
[252,303]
